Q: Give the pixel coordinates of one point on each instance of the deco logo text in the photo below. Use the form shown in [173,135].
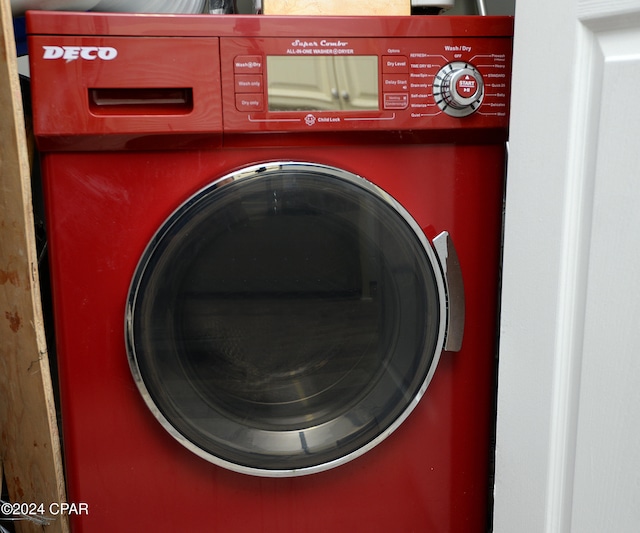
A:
[70,53]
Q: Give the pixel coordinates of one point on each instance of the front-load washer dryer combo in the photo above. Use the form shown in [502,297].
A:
[275,248]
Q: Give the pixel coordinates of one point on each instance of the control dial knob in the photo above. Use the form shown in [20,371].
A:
[458,89]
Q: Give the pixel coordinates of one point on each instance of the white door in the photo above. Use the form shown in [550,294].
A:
[568,453]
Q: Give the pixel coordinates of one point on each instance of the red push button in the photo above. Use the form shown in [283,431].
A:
[467,86]
[394,64]
[395,82]
[249,102]
[396,100]
[248,64]
[248,83]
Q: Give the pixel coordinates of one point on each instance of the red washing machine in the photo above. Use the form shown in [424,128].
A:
[275,249]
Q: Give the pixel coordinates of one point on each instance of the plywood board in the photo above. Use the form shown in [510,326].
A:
[29,443]
[336,7]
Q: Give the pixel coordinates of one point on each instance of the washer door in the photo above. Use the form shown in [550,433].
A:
[285,319]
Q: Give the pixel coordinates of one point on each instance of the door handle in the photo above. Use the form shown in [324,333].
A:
[454,288]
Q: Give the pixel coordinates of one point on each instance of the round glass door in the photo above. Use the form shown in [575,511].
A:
[285,319]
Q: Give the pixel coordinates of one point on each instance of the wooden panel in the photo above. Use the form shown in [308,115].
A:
[336,7]
[29,445]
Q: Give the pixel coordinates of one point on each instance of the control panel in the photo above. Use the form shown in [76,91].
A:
[156,81]
[291,84]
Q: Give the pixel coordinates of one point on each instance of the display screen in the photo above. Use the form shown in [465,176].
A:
[322,83]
